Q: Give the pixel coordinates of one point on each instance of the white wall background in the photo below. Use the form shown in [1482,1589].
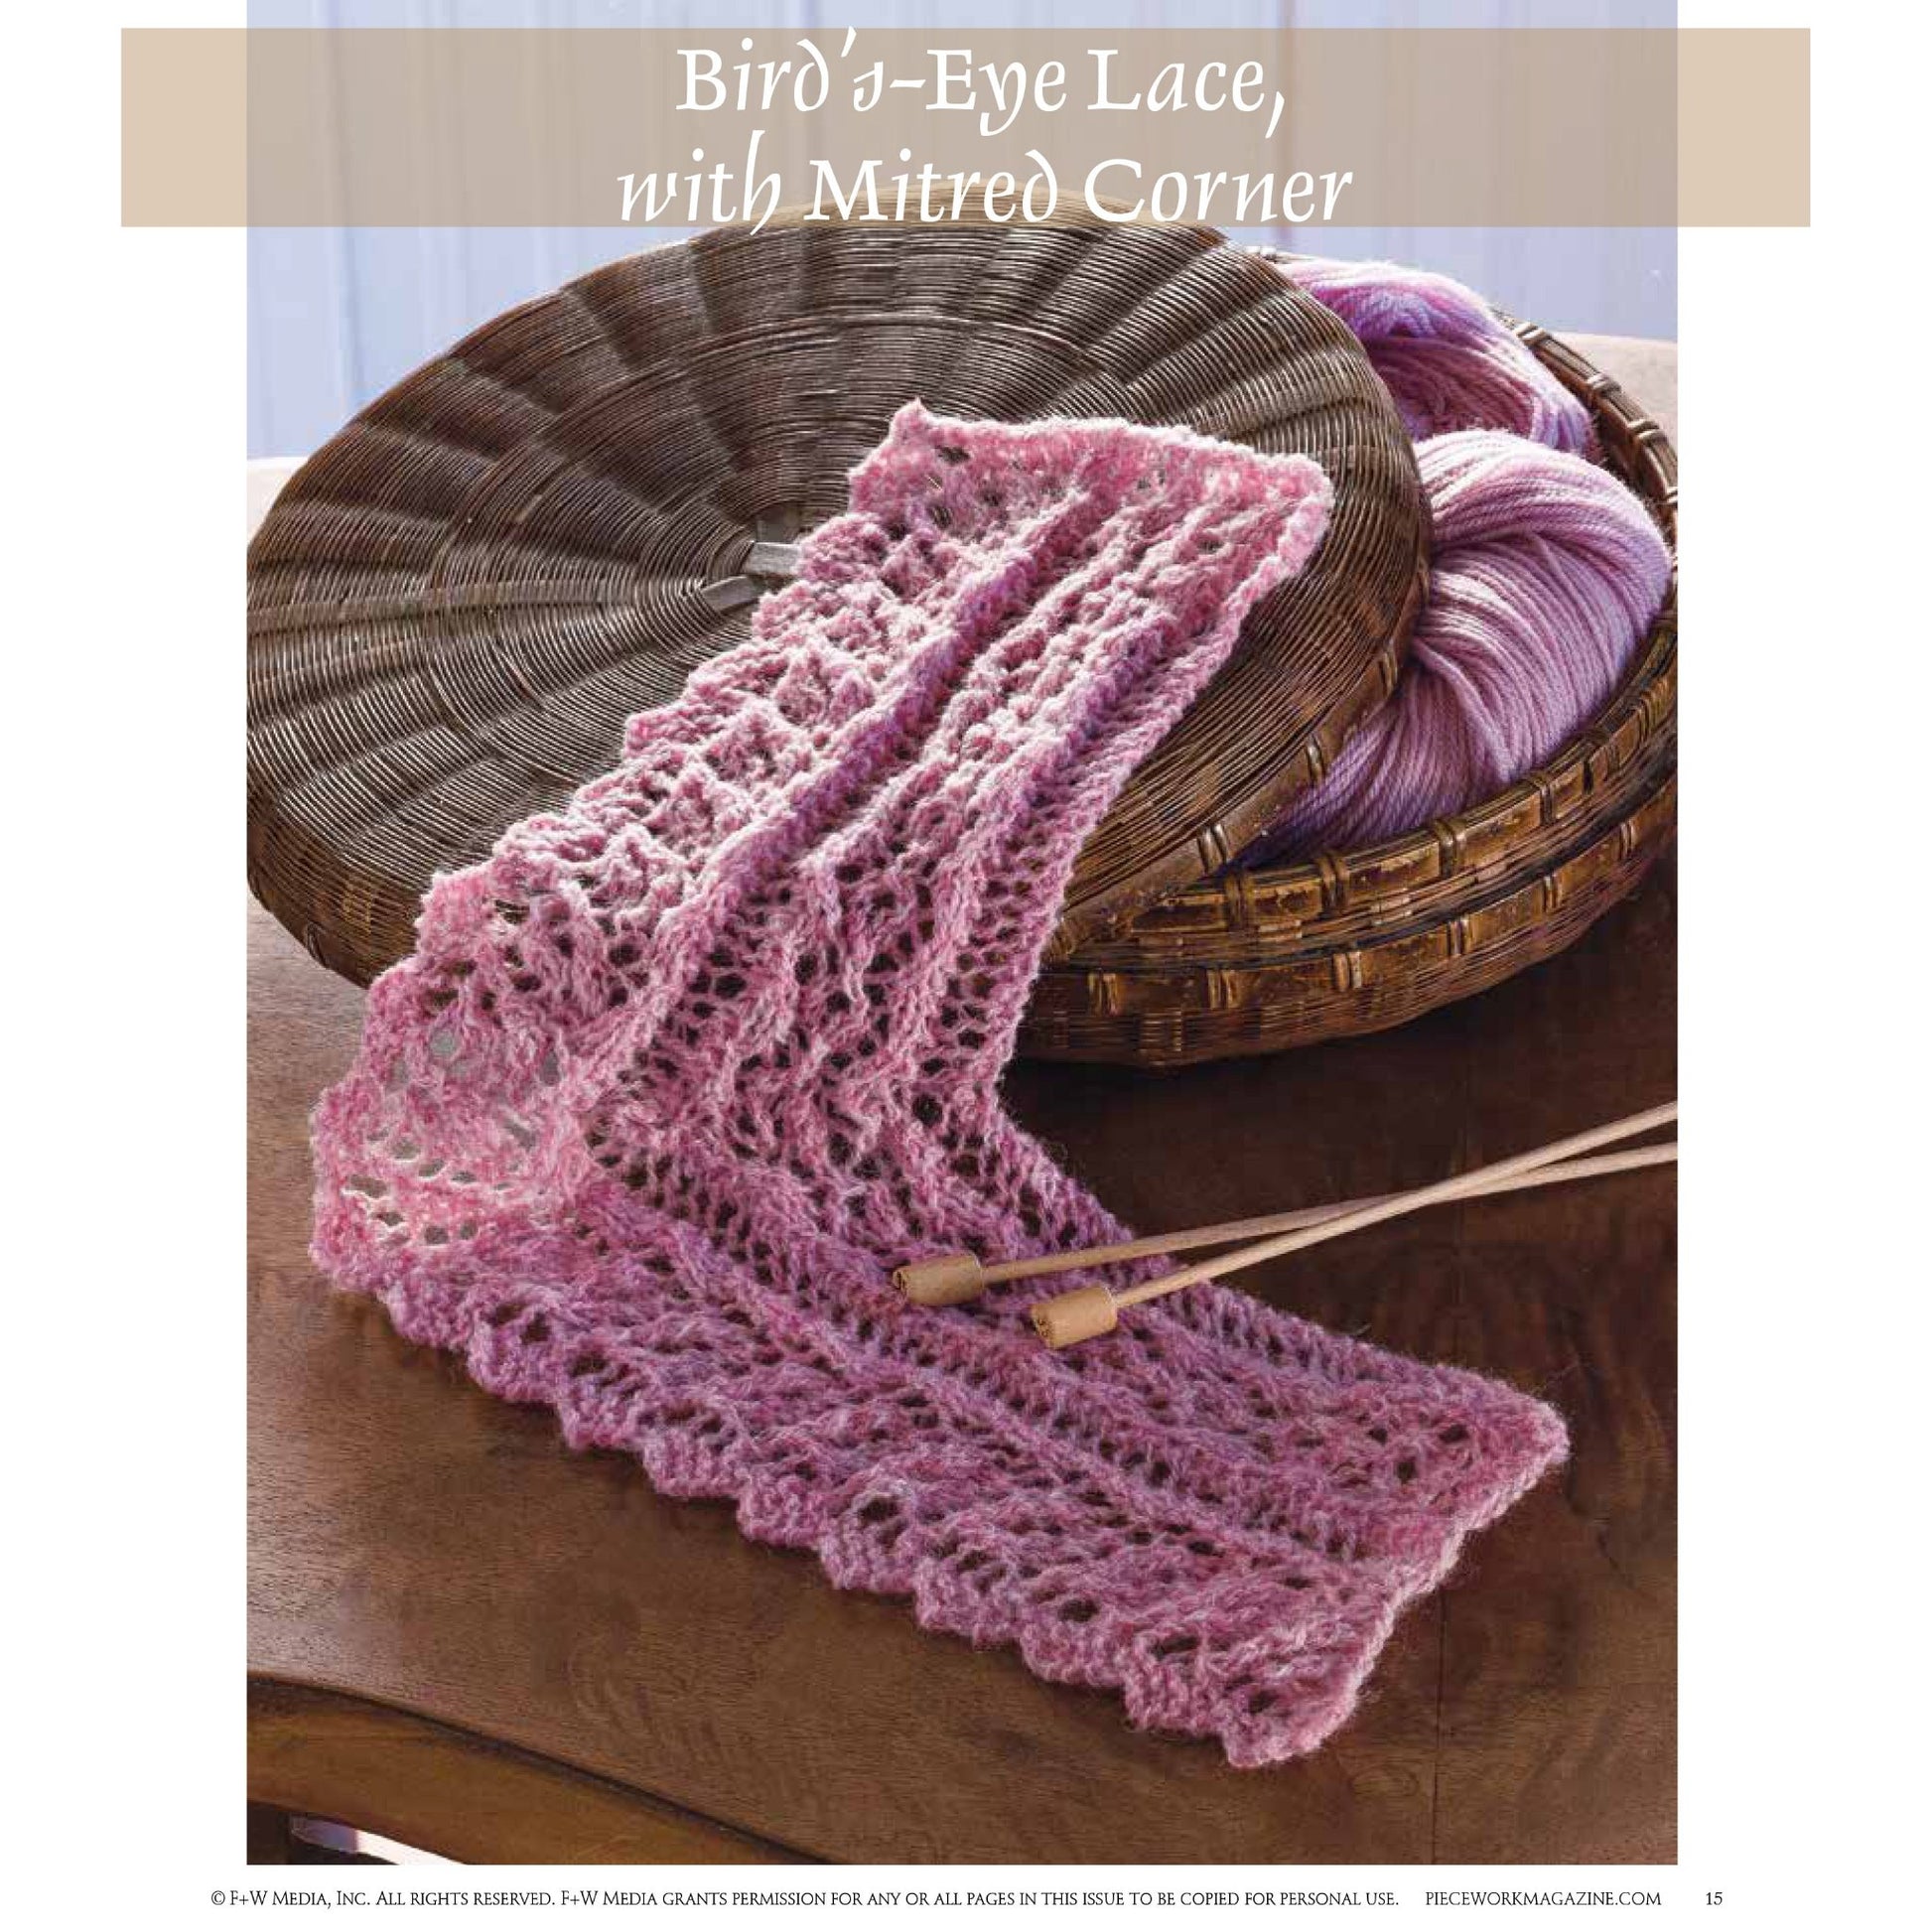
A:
[337,314]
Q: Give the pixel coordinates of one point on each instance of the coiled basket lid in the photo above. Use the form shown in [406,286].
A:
[457,603]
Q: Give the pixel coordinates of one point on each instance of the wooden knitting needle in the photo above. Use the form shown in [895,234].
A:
[1656,1156]
[1094,1310]
[944,1281]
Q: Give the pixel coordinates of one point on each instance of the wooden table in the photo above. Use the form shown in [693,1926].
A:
[467,1638]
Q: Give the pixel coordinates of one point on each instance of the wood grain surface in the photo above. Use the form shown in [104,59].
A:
[467,1637]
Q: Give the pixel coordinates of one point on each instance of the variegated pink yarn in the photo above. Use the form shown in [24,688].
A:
[1544,576]
[674,1080]
[1446,360]
[1544,570]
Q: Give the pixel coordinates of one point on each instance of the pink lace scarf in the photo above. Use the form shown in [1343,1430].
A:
[678,1076]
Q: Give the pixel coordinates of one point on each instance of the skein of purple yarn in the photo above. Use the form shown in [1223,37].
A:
[1546,572]
[1446,360]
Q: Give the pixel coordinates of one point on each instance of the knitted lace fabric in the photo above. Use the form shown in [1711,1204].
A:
[676,1077]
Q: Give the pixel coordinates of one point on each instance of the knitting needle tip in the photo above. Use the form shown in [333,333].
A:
[938,1281]
[1080,1314]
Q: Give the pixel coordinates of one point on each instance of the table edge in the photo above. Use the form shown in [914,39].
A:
[322,1753]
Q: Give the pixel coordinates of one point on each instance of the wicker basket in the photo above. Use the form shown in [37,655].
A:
[456,603]
[1348,942]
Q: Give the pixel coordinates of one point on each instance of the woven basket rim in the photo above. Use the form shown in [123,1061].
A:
[1363,929]
[1256,1008]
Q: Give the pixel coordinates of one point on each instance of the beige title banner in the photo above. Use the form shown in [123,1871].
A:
[688,127]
